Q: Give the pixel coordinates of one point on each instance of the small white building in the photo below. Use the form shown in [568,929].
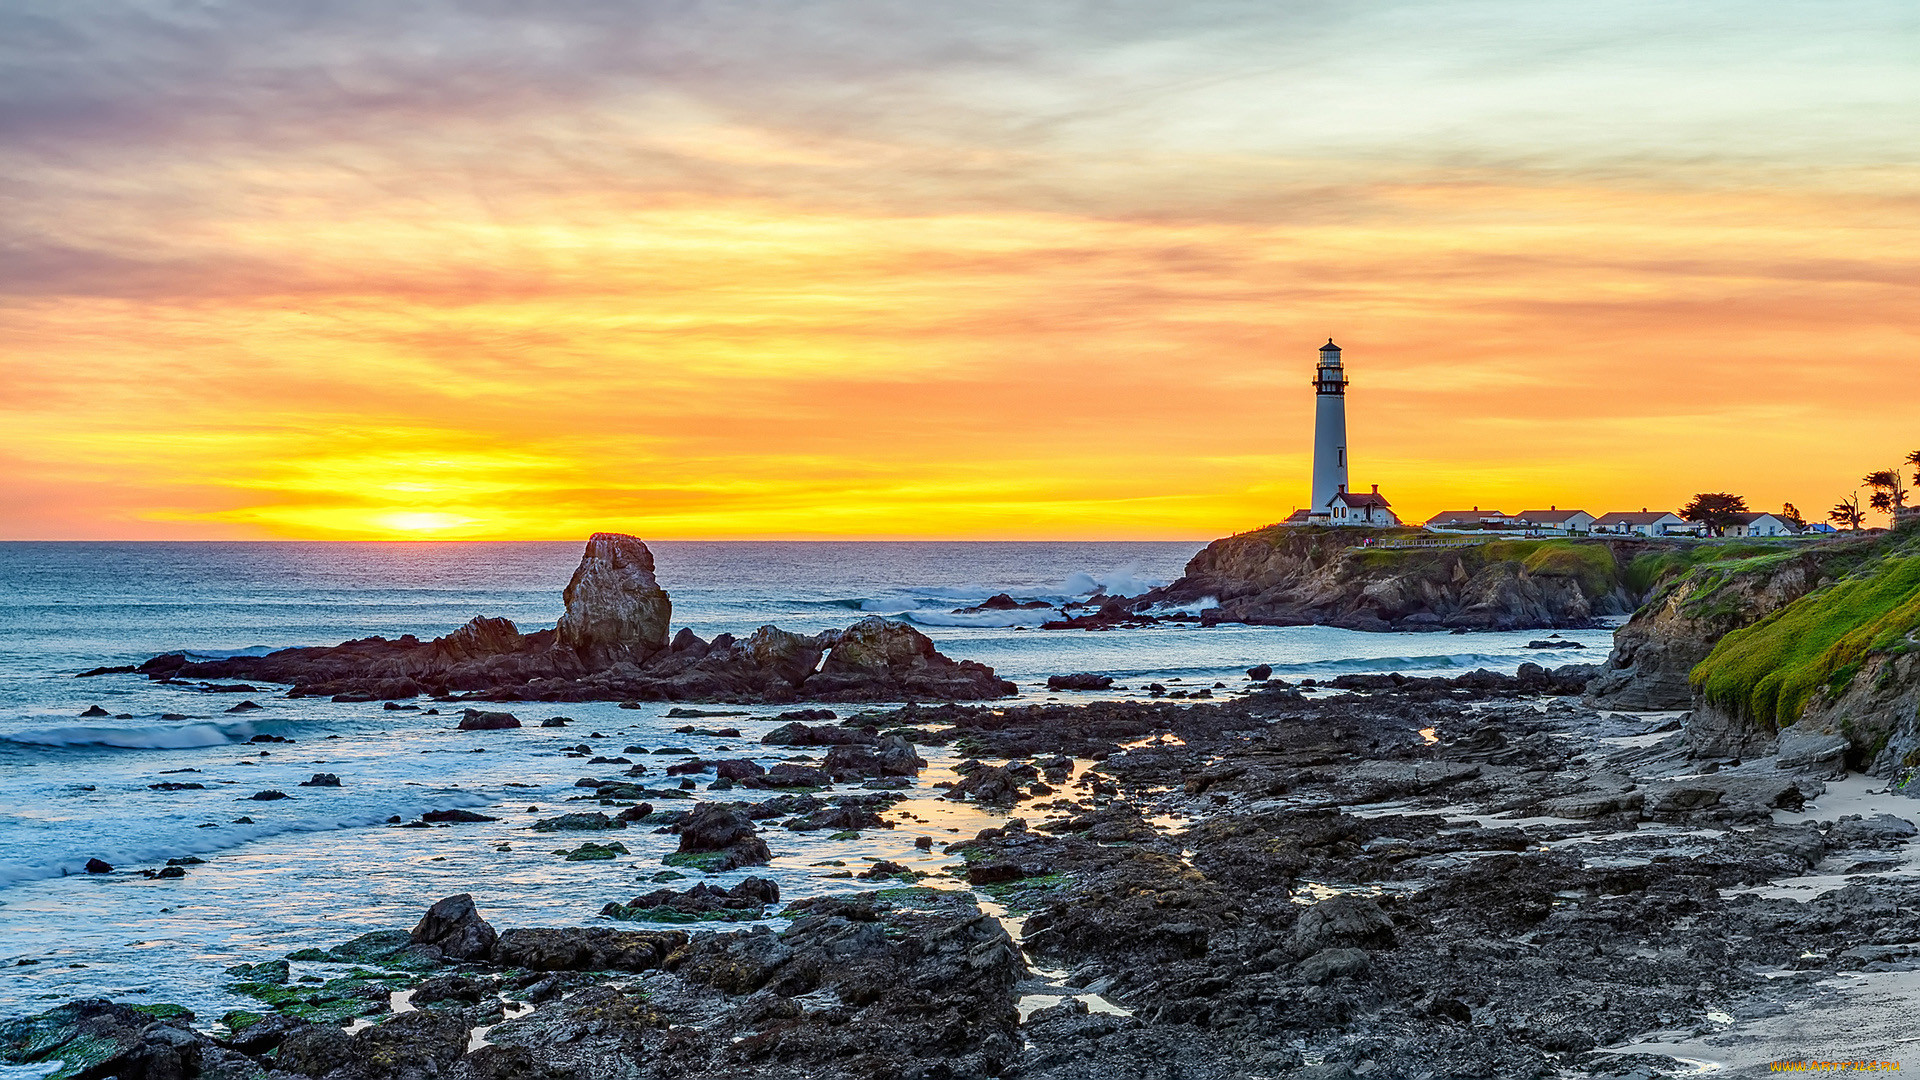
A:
[1346,508]
[1554,519]
[1761,525]
[1643,523]
[1475,518]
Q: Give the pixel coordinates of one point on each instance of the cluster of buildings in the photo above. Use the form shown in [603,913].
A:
[1335,504]
[1642,522]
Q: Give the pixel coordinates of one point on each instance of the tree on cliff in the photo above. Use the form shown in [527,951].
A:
[1790,512]
[1716,510]
[1889,492]
[1847,513]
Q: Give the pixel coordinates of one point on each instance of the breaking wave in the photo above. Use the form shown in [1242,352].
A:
[180,736]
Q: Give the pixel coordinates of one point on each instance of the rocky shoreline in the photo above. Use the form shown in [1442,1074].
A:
[1472,877]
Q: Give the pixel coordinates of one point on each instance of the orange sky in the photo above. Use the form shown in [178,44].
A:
[341,272]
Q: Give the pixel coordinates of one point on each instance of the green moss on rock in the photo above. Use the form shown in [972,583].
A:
[1767,673]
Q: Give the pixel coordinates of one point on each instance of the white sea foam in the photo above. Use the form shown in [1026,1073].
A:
[1126,581]
[177,736]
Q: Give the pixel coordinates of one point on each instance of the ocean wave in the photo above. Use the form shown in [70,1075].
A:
[178,736]
[1375,664]
[992,618]
[1126,581]
[150,851]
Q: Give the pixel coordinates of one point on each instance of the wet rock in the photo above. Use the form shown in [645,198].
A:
[592,948]
[1260,672]
[1332,963]
[788,775]
[322,779]
[800,734]
[94,711]
[454,927]
[747,900]
[593,822]
[592,852]
[98,866]
[718,837]
[1082,681]
[98,1038]
[481,720]
[892,756]
[270,795]
[246,706]
[452,817]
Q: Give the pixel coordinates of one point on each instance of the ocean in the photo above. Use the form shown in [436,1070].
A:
[325,864]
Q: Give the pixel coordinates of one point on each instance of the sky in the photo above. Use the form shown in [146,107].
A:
[342,269]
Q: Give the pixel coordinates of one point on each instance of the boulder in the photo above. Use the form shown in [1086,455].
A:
[1083,681]
[1328,964]
[615,610]
[588,948]
[593,822]
[1342,922]
[97,1038]
[480,720]
[894,756]
[479,638]
[724,830]
[454,927]
[876,659]
[790,656]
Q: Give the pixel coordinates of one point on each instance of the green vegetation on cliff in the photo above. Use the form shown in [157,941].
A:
[1768,672]
[1591,562]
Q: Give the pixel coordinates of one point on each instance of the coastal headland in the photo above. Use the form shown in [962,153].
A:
[1696,858]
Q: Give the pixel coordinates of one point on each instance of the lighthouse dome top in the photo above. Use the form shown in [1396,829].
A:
[1329,346]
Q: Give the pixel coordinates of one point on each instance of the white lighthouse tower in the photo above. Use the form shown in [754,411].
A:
[1329,434]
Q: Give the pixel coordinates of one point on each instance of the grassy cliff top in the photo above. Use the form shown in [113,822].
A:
[1768,672]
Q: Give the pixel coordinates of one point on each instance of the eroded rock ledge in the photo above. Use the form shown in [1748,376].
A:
[612,645]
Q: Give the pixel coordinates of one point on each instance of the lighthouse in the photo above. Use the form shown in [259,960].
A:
[1329,433]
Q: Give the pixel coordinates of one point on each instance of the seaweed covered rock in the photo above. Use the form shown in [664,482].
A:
[102,1038]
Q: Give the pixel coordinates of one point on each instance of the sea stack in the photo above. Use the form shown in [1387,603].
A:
[615,609]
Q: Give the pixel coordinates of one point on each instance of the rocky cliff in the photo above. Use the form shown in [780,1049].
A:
[610,645]
[1831,674]
[1690,611]
[1805,649]
[1314,576]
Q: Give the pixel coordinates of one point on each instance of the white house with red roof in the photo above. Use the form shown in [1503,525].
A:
[1369,508]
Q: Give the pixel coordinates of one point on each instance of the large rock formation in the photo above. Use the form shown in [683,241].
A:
[1680,624]
[612,645]
[615,609]
[1832,673]
[1313,576]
